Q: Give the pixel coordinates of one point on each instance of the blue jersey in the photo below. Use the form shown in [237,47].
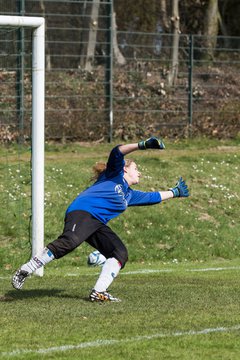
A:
[110,195]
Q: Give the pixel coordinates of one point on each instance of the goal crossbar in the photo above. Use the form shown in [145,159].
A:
[38,94]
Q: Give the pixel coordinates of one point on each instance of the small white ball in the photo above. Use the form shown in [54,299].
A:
[96,259]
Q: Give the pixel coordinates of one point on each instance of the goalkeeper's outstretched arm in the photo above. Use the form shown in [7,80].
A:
[151,143]
[180,189]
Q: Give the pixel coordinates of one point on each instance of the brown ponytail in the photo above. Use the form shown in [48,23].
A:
[98,168]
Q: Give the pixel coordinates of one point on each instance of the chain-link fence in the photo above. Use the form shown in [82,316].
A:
[103,83]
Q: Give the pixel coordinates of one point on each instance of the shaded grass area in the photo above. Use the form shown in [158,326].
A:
[164,308]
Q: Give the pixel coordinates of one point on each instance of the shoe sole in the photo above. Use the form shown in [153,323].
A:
[103,300]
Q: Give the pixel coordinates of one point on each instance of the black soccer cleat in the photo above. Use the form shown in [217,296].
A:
[18,279]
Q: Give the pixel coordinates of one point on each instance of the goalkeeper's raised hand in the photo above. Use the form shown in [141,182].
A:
[181,189]
[151,143]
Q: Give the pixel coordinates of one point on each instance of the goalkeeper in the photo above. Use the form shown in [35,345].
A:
[87,217]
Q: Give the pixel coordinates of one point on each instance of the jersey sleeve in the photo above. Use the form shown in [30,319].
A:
[140,198]
[115,162]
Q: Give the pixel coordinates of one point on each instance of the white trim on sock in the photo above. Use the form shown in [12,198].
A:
[36,262]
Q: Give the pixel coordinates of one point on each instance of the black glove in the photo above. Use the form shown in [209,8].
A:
[151,143]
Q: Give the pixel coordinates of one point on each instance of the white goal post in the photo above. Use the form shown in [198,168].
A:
[38,94]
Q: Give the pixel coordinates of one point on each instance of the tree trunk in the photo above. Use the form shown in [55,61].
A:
[210,29]
[117,53]
[164,15]
[173,72]
[48,54]
[92,35]
[83,35]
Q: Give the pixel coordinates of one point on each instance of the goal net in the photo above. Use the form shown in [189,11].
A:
[36,25]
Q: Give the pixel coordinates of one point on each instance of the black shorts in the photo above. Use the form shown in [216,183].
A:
[81,226]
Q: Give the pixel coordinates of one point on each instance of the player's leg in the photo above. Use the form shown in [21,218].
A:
[79,225]
[36,262]
[111,246]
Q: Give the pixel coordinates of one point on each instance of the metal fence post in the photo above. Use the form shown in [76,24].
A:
[109,69]
[190,79]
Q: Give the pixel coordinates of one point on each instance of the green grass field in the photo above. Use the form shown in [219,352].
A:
[180,288]
[167,312]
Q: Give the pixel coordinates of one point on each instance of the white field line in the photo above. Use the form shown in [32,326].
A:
[217,268]
[152,271]
[149,271]
[107,342]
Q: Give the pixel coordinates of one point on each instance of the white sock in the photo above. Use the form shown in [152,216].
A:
[109,271]
[41,259]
